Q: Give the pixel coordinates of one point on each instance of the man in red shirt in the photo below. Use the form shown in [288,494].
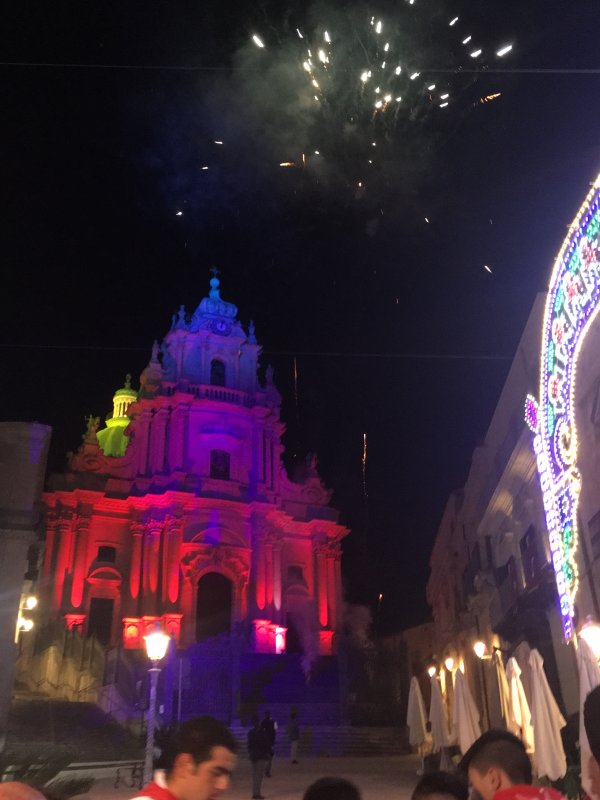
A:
[198,760]
[499,769]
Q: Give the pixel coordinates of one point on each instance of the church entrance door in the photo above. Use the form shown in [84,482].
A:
[213,607]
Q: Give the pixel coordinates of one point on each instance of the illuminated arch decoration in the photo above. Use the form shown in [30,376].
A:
[572,304]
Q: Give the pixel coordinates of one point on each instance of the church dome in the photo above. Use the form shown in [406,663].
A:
[112,439]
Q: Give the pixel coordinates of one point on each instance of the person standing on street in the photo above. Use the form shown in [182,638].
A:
[294,734]
[259,751]
[269,726]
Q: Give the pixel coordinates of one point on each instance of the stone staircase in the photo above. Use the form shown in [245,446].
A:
[36,723]
[336,740]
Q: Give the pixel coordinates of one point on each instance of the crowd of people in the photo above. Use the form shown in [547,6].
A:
[200,758]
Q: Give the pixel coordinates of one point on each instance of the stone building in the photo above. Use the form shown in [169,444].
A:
[180,511]
[495,575]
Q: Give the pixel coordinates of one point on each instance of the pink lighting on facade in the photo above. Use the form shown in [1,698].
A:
[190,483]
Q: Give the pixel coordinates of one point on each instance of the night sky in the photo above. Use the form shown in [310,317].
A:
[397,328]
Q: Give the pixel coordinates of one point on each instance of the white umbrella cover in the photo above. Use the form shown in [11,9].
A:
[547,722]
[465,716]
[503,690]
[415,716]
[519,719]
[438,719]
[589,678]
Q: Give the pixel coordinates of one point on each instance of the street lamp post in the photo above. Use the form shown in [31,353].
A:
[481,652]
[156,647]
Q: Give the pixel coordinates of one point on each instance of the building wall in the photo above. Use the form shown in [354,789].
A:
[491,578]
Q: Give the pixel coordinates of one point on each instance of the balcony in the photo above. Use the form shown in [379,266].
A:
[222,394]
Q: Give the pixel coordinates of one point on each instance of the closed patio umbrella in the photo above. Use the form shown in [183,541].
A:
[589,678]
[547,722]
[519,718]
[438,719]
[503,690]
[415,716]
[465,716]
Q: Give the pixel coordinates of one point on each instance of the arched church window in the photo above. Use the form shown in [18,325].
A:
[217,372]
[107,554]
[219,465]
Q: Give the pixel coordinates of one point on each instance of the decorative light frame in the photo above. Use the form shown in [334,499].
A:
[572,304]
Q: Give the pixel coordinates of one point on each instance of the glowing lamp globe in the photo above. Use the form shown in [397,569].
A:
[479,649]
[449,662]
[431,671]
[590,632]
[31,602]
[156,645]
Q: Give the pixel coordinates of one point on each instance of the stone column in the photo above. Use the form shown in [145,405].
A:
[23,454]
[137,534]
[153,532]
[268,552]
[187,609]
[277,580]
[157,441]
[63,560]
[80,562]
[171,558]
[322,598]
[260,577]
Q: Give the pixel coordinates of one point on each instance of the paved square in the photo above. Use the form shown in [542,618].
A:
[384,778]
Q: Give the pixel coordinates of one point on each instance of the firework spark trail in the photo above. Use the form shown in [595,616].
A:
[364,466]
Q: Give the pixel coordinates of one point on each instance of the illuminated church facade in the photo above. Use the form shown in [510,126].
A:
[179,510]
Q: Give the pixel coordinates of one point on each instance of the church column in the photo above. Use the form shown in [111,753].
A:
[82,529]
[142,439]
[157,441]
[187,609]
[260,577]
[268,460]
[49,547]
[331,598]
[268,551]
[277,580]
[337,570]
[137,534]
[322,599]
[151,563]
[63,561]
[171,558]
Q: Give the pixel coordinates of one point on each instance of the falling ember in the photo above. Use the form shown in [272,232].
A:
[288,164]
[485,266]
[443,105]
[217,142]
[299,34]
[296,388]
[364,77]
[378,104]
[488,98]
[475,53]
[179,213]
[378,27]
[414,75]
[431,87]
[467,40]
[388,98]
[444,96]
[386,47]
[204,167]
[453,21]
[306,66]
[426,220]
[364,465]
[504,50]
[398,70]
[257,41]
[327,38]
[323,56]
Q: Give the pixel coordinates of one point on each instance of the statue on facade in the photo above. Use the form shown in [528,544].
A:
[93,423]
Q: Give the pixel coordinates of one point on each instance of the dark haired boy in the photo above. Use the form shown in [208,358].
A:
[499,768]
[332,789]
[199,760]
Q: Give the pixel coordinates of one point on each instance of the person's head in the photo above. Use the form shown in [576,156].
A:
[332,789]
[591,721]
[267,714]
[293,714]
[441,786]
[199,759]
[15,790]
[255,720]
[497,760]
